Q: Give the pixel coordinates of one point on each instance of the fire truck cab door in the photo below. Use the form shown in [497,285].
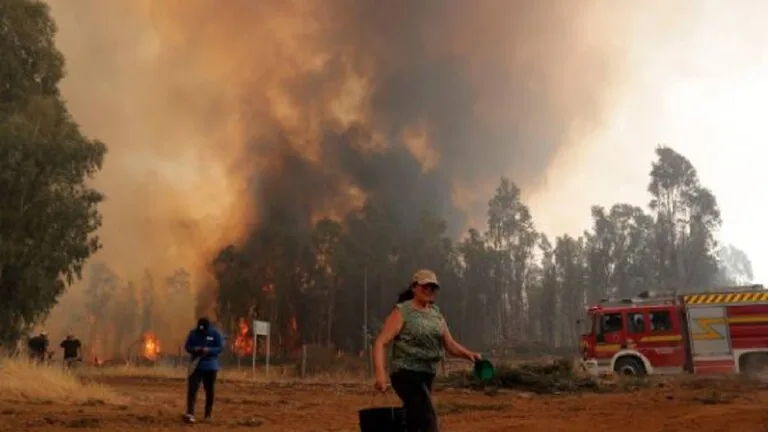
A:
[610,334]
[661,341]
[708,332]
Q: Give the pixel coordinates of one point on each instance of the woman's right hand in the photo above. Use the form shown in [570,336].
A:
[381,383]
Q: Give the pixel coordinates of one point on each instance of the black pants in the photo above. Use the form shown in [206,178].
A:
[414,389]
[208,379]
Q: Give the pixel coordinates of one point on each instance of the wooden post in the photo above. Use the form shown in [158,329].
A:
[253,352]
[366,339]
[370,361]
[269,342]
[303,360]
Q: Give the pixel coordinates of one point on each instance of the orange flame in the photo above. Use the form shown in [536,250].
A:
[268,289]
[243,344]
[150,346]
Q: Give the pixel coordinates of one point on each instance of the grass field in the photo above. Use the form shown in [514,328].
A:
[151,399]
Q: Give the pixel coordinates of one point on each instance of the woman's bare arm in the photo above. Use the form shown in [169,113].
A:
[392,327]
[456,348]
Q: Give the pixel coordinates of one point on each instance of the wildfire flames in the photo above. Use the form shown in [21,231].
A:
[151,346]
[243,344]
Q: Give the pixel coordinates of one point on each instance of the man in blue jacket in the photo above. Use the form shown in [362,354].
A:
[204,343]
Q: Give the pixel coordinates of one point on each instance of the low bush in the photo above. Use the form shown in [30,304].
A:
[557,376]
[21,380]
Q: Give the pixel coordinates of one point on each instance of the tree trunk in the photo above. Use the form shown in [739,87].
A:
[329,317]
[465,324]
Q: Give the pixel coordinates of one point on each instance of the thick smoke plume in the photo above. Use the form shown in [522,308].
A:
[223,115]
[336,101]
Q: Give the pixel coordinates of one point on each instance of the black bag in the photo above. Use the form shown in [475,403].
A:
[387,419]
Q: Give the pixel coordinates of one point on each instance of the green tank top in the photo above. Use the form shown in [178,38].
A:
[419,345]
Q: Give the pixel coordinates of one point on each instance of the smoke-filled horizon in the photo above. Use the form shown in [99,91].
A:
[221,117]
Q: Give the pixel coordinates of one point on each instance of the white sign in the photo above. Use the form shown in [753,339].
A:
[261,328]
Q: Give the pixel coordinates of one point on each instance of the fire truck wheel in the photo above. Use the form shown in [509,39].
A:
[755,366]
[629,366]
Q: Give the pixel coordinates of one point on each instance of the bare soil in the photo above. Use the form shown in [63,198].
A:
[157,404]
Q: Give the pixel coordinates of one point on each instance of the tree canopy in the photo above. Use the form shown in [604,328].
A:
[506,282]
[48,213]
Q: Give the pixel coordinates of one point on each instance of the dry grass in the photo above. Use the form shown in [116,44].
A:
[21,380]
[167,372]
[283,374]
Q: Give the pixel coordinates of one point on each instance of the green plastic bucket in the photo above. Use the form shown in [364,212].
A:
[484,370]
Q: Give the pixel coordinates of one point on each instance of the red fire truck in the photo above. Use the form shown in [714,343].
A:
[703,333]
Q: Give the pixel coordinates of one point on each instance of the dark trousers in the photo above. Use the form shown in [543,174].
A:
[414,389]
[208,378]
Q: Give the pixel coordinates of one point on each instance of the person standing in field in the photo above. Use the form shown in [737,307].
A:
[38,347]
[72,350]
[420,336]
[204,344]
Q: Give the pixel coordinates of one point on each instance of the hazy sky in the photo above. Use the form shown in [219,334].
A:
[687,73]
[699,86]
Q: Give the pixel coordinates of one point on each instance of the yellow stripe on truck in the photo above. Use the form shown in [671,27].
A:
[669,338]
[608,348]
[726,298]
[747,319]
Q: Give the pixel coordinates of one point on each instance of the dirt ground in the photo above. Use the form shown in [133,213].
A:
[156,404]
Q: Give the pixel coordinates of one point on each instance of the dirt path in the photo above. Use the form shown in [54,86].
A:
[157,404]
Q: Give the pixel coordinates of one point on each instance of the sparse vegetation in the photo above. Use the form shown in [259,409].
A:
[457,407]
[549,377]
[553,377]
[327,360]
[24,381]
[277,374]
[168,372]
[714,397]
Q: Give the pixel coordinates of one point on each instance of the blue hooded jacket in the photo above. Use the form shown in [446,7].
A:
[209,338]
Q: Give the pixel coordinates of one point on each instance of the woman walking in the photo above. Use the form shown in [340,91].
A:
[420,336]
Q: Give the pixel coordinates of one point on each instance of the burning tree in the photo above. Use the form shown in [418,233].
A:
[243,343]
[150,346]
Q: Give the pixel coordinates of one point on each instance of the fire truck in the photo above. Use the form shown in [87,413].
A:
[665,333]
